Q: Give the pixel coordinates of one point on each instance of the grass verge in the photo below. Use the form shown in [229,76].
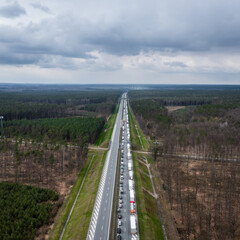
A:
[106,134]
[134,134]
[148,219]
[79,221]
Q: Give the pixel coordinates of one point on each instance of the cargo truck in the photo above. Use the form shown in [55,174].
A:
[130,166]
[133,224]
[130,183]
[131,196]
[131,175]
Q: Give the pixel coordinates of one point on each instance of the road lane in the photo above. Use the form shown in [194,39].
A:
[99,228]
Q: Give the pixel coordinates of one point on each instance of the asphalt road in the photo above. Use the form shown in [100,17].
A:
[99,227]
[125,210]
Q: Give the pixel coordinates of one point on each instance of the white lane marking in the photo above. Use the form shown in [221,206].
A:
[103,217]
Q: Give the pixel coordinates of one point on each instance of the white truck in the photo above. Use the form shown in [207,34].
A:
[131,185]
[129,155]
[132,193]
[133,224]
[130,166]
[131,175]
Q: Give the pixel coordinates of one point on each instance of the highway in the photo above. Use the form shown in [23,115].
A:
[125,210]
[127,230]
[99,227]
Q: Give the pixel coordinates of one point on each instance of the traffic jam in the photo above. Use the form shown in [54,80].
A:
[127,206]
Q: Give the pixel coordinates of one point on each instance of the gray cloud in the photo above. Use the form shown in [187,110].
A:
[175,64]
[41,7]
[124,29]
[13,10]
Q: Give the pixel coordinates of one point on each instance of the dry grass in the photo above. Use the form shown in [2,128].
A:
[174,108]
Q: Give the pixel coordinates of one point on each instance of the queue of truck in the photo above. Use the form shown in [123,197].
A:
[127,161]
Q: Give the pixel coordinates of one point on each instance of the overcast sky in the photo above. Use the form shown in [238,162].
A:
[127,41]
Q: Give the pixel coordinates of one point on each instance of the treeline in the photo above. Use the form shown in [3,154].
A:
[32,111]
[106,108]
[53,104]
[56,129]
[151,115]
[24,209]
[187,97]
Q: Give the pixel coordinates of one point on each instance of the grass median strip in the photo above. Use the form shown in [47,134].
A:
[78,223]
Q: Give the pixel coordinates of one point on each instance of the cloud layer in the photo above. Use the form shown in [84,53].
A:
[13,10]
[176,36]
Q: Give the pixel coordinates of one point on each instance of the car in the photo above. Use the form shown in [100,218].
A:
[119,222]
[121,181]
[120,205]
[118,230]
[119,216]
[118,210]
[120,197]
[119,237]
[120,201]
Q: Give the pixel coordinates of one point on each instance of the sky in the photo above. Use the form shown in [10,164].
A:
[133,41]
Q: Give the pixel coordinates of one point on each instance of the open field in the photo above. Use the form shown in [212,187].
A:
[174,108]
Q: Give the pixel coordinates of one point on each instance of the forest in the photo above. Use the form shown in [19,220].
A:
[24,209]
[34,104]
[73,129]
[44,144]
[196,148]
